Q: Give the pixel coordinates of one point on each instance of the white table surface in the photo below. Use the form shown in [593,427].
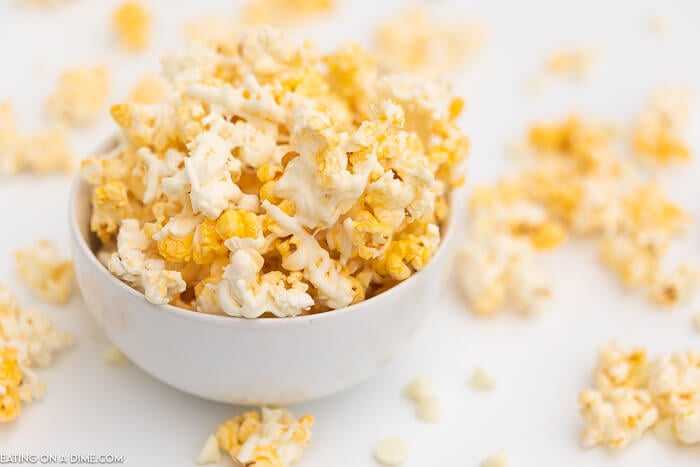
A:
[540,364]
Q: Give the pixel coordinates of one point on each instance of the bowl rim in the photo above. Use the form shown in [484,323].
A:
[447,231]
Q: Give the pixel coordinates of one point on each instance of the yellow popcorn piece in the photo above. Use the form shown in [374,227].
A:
[10,380]
[237,223]
[280,12]
[207,244]
[500,459]
[80,96]
[110,204]
[391,451]
[575,63]
[45,272]
[276,438]
[27,340]
[131,21]
[419,41]
[658,133]
[620,368]
[176,249]
[148,90]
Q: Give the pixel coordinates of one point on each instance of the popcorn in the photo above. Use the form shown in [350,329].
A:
[616,418]
[80,96]
[148,90]
[391,451]
[574,63]
[46,274]
[658,133]
[429,410]
[131,22]
[420,389]
[275,438]
[570,181]
[27,340]
[417,41]
[279,12]
[274,181]
[42,152]
[631,396]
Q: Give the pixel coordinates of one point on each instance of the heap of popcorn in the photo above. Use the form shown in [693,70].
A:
[572,181]
[273,180]
[631,396]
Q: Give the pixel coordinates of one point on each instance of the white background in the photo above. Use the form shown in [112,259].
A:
[540,364]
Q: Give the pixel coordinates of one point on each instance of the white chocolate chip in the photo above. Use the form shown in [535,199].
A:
[114,356]
[391,451]
[482,380]
[663,431]
[419,389]
[696,321]
[429,410]
[497,460]
[209,454]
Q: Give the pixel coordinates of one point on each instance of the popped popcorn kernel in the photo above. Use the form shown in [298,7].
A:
[575,63]
[176,249]
[237,223]
[482,380]
[419,41]
[281,12]
[80,96]
[659,132]
[429,410]
[271,437]
[150,89]
[27,340]
[131,21]
[500,459]
[45,272]
[618,367]
[419,389]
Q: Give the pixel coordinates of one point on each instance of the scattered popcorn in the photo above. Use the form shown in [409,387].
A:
[569,181]
[482,380]
[113,356]
[391,451]
[281,12]
[574,63]
[420,389]
[27,340]
[631,396]
[272,181]
[80,96]
[209,454]
[131,22]
[45,272]
[497,460]
[616,418]
[42,152]
[148,90]
[659,132]
[417,41]
[275,439]
[429,410]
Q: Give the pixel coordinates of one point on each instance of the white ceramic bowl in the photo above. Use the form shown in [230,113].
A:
[253,361]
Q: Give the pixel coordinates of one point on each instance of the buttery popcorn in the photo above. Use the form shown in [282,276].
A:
[148,90]
[41,152]
[131,22]
[420,389]
[45,272]
[417,41]
[632,396]
[569,181]
[274,181]
[659,132]
[272,437]
[429,410]
[281,12]
[27,340]
[80,96]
